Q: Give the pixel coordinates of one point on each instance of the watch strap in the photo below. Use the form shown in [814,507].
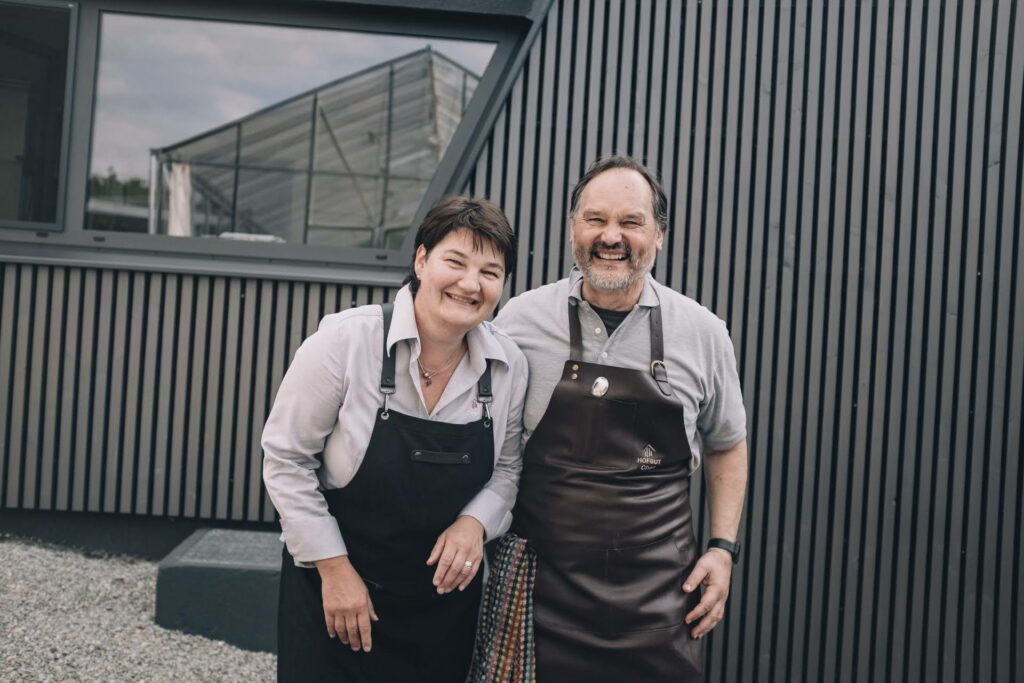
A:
[733,548]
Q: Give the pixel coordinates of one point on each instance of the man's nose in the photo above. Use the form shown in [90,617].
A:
[612,233]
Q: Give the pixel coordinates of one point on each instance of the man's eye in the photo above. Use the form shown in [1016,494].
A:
[595,221]
[632,224]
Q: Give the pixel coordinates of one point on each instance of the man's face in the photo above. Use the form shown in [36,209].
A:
[613,235]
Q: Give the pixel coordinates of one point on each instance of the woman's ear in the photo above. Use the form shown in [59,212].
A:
[421,260]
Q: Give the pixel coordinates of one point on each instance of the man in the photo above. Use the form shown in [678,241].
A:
[632,386]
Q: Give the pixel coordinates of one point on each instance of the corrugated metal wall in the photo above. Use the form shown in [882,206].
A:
[146,393]
[846,190]
[846,185]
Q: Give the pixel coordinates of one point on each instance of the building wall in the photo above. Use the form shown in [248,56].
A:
[846,188]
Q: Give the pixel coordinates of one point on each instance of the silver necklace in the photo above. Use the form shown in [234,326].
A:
[429,375]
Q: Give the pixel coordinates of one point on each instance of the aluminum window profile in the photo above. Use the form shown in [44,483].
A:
[7,224]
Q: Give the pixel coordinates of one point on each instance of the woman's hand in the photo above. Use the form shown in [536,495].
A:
[348,610]
[458,554]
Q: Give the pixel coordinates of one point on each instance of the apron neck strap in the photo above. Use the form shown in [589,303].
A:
[575,332]
[658,370]
[387,367]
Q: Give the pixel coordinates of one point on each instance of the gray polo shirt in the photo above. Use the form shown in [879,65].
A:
[699,355]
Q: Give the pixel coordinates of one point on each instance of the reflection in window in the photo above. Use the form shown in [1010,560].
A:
[293,135]
[33,67]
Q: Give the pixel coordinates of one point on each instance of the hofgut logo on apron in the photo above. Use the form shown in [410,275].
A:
[649,458]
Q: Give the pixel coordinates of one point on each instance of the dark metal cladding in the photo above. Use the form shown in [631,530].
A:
[846,183]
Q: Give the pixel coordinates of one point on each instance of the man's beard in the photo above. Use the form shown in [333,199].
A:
[585,259]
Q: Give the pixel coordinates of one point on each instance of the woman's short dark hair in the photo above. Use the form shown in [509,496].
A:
[659,202]
[483,219]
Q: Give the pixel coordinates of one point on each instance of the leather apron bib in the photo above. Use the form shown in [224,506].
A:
[604,502]
[415,479]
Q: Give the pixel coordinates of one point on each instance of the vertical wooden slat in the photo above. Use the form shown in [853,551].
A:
[37,364]
[82,424]
[69,362]
[180,356]
[8,276]
[99,385]
[260,401]
[51,416]
[117,371]
[227,448]
[213,414]
[20,302]
[131,441]
[248,344]
[198,404]
[1008,570]
[148,390]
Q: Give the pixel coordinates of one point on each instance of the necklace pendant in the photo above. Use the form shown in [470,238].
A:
[428,378]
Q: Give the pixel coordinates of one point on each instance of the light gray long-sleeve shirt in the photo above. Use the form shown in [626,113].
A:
[327,403]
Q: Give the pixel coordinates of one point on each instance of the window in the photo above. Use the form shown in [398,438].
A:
[33,77]
[249,132]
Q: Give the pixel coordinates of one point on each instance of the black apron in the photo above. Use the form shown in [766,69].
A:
[415,479]
[604,502]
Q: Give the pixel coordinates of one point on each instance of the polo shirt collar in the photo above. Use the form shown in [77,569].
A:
[648,297]
[482,343]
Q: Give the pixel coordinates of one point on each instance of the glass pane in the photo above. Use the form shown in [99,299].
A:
[271,133]
[33,64]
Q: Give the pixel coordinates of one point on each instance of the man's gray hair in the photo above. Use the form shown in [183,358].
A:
[659,202]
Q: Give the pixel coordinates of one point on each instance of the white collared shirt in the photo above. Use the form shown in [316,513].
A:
[328,402]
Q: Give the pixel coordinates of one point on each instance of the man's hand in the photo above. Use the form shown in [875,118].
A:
[458,554]
[714,571]
[348,610]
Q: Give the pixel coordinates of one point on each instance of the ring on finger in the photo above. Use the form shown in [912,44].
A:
[467,566]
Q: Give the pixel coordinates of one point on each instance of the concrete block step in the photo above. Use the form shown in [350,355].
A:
[222,584]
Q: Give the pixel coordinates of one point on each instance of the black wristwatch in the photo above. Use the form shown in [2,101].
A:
[728,546]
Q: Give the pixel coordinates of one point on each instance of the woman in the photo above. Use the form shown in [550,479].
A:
[391,454]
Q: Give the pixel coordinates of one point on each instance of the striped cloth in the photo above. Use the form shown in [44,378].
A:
[504,650]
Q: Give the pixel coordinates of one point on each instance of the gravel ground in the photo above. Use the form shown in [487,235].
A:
[68,616]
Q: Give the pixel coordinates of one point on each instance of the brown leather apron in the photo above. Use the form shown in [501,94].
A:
[604,502]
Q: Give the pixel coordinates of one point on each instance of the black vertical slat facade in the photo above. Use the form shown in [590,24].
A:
[845,184]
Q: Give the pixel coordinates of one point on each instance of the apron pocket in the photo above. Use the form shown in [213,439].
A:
[440,458]
[600,423]
[570,589]
[646,587]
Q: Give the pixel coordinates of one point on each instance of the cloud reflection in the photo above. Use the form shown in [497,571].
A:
[163,80]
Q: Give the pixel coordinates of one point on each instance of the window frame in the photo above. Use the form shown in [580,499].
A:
[511,26]
[62,162]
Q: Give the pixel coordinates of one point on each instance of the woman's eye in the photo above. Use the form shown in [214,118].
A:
[454,262]
[491,274]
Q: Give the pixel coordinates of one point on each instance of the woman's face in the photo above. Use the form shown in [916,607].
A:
[459,284]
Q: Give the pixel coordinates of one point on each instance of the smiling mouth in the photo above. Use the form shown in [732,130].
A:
[465,301]
[603,251]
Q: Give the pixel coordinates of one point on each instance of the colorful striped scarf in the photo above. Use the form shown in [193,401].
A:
[504,650]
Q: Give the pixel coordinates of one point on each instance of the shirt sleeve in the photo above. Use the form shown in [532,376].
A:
[304,414]
[722,421]
[492,507]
